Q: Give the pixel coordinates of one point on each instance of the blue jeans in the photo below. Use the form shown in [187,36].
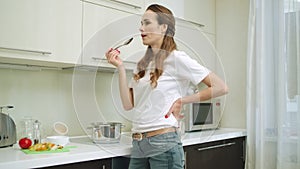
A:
[163,151]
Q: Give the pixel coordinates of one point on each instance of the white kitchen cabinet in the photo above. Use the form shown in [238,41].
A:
[197,13]
[129,6]
[191,36]
[198,44]
[105,27]
[63,32]
[177,7]
[37,27]
[202,12]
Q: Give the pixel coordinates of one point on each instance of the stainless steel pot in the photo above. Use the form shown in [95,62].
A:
[109,132]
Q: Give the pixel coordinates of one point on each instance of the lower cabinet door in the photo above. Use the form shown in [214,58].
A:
[120,162]
[225,154]
[94,164]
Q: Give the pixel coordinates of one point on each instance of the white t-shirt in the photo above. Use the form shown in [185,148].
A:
[152,104]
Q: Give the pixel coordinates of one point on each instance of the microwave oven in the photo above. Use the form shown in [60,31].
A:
[202,115]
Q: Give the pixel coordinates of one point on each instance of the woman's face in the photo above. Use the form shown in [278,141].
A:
[152,33]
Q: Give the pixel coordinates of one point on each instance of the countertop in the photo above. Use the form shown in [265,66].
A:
[83,149]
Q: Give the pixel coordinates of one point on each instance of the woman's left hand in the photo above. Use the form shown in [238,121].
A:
[175,109]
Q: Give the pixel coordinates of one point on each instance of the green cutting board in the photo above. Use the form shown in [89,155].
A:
[65,149]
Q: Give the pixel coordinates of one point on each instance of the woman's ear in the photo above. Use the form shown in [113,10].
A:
[164,28]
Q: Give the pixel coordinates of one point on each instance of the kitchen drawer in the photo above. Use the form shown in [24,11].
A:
[225,154]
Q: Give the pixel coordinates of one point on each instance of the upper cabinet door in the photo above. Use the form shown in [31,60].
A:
[197,44]
[105,27]
[177,7]
[196,40]
[202,12]
[45,30]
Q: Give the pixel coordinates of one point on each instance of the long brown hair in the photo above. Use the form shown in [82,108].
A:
[164,16]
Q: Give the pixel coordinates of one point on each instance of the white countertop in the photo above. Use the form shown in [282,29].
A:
[212,135]
[85,150]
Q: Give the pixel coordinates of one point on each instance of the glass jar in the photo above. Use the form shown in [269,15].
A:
[27,126]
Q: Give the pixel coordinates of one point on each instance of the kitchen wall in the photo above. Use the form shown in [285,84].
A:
[231,43]
[46,95]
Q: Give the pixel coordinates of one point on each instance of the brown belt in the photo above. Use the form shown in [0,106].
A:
[140,136]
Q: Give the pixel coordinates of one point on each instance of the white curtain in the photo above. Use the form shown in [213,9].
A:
[273,85]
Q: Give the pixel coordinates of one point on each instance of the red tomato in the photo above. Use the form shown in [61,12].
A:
[25,143]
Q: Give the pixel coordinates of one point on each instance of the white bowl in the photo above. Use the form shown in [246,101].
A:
[59,140]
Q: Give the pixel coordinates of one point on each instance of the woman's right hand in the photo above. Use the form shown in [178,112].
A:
[113,58]
[176,110]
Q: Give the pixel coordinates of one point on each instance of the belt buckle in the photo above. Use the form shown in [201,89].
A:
[139,138]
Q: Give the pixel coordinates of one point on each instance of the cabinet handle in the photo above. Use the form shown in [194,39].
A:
[103,59]
[216,146]
[96,58]
[114,8]
[25,50]
[124,3]
[191,22]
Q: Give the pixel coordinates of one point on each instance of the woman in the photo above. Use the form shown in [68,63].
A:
[158,90]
